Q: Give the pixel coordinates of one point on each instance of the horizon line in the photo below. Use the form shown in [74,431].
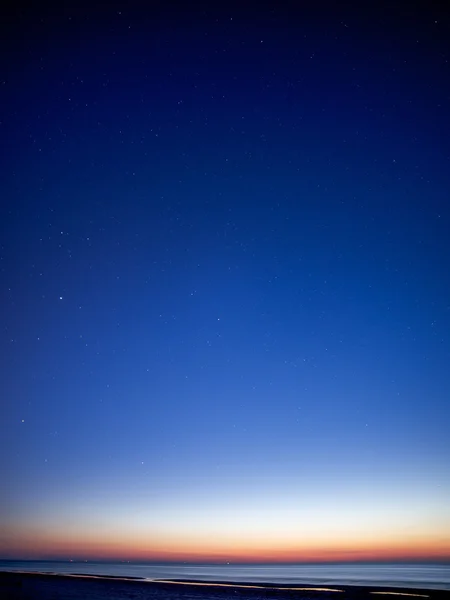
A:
[224,562]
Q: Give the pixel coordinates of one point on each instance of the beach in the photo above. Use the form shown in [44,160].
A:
[44,586]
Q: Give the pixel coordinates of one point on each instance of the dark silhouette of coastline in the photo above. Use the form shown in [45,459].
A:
[44,586]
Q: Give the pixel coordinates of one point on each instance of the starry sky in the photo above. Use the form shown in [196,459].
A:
[225,292]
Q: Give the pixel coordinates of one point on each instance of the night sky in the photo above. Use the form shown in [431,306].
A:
[225,290]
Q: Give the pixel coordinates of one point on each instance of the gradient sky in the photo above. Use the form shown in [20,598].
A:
[225,291]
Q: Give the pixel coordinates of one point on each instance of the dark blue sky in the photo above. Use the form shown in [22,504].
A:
[224,272]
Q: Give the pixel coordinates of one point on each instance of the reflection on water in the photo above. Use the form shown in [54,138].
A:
[399,575]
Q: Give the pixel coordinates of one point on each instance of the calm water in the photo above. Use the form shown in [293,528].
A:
[398,575]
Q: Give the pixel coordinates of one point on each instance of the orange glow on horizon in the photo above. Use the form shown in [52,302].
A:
[93,545]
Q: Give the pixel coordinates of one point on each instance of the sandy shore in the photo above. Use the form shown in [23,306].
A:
[40,586]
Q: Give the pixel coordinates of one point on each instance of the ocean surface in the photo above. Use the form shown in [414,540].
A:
[427,576]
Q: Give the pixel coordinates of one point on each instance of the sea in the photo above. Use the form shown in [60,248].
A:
[426,576]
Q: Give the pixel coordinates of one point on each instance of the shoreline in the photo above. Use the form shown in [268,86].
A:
[25,585]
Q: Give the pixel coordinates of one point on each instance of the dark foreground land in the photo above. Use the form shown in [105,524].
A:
[38,586]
